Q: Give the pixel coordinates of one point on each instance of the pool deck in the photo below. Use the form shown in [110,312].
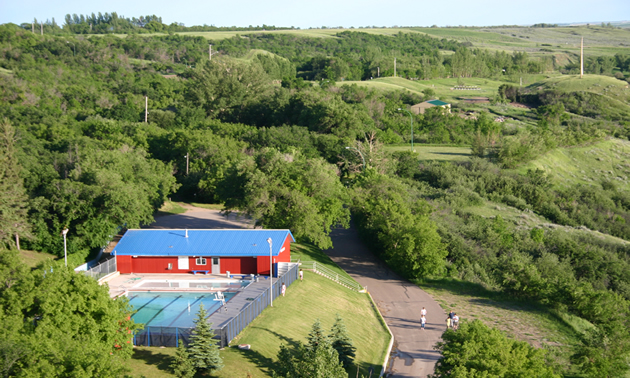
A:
[120,284]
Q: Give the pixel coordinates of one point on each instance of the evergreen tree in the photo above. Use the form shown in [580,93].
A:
[182,365]
[317,336]
[342,343]
[318,359]
[204,349]
[13,198]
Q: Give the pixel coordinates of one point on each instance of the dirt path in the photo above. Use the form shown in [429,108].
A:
[198,218]
[400,303]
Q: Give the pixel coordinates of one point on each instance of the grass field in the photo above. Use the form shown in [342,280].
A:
[590,165]
[434,152]
[32,258]
[288,322]
[169,208]
[557,332]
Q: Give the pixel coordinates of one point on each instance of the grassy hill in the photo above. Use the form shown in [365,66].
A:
[589,165]
[288,321]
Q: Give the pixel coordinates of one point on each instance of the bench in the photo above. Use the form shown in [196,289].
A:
[206,272]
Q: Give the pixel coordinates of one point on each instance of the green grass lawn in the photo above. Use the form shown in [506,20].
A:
[288,322]
[32,258]
[590,165]
[434,152]
[170,207]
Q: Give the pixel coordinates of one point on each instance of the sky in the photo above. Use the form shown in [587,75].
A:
[330,13]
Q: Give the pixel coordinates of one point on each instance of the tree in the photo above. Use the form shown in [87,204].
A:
[13,198]
[342,343]
[222,87]
[288,191]
[475,350]
[57,323]
[203,348]
[318,359]
[182,365]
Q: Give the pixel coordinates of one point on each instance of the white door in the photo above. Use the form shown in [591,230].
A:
[216,267]
[182,262]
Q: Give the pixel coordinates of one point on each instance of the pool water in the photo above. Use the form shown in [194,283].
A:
[172,309]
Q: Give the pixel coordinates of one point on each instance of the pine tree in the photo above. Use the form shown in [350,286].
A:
[204,349]
[316,336]
[182,365]
[13,198]
[342,343]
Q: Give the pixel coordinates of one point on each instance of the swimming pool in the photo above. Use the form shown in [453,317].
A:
[172,309]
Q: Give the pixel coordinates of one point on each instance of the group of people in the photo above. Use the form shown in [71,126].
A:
[452,320]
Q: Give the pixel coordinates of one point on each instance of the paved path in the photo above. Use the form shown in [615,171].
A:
[400,303]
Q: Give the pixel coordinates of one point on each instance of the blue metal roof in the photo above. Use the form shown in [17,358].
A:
[201,242]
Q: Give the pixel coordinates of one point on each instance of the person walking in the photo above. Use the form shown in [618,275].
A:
[283,289]
[455,322]
[301,275]
[423,312]
[448,322]
[423,321]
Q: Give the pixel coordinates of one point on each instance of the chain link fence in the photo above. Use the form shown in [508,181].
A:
[103,269]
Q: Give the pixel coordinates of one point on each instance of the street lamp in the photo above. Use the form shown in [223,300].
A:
[65,248]
[357,150]
[74,49]
[187,158]
[270,273]
[411,118]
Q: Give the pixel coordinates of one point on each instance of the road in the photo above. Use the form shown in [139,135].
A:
[400,303]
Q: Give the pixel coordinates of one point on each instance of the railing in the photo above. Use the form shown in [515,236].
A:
[102,269]
[235,325]
[328,273]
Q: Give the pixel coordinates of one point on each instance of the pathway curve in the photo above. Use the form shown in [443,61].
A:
[400,303]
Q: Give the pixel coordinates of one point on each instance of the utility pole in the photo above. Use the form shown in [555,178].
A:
[394,67]
[210,52]
[146,109]
[187,159]
[42,27]
[378,71]
[582,58]
[33,27]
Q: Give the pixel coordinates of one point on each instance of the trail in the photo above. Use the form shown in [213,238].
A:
[400,303]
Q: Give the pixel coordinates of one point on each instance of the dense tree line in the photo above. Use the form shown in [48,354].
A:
[109,23]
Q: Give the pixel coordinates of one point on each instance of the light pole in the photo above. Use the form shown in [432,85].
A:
[270,273]
[411,118]
[360,154]
[74,49]
[187,158]
[65,248]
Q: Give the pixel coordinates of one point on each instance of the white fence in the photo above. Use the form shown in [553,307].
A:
[341,279]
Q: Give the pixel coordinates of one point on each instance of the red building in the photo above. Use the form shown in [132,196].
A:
[202,251]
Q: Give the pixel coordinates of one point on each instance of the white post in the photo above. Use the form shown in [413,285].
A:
[582,58]
[65,249]
[210,52]
[146,109]
[270,273]
[187,159]
[394,67]
[41,24]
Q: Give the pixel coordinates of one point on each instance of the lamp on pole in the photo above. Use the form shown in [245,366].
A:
[187,159]
[65,248]
[411,118]
[270,273]
[360,154]
[74,48]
